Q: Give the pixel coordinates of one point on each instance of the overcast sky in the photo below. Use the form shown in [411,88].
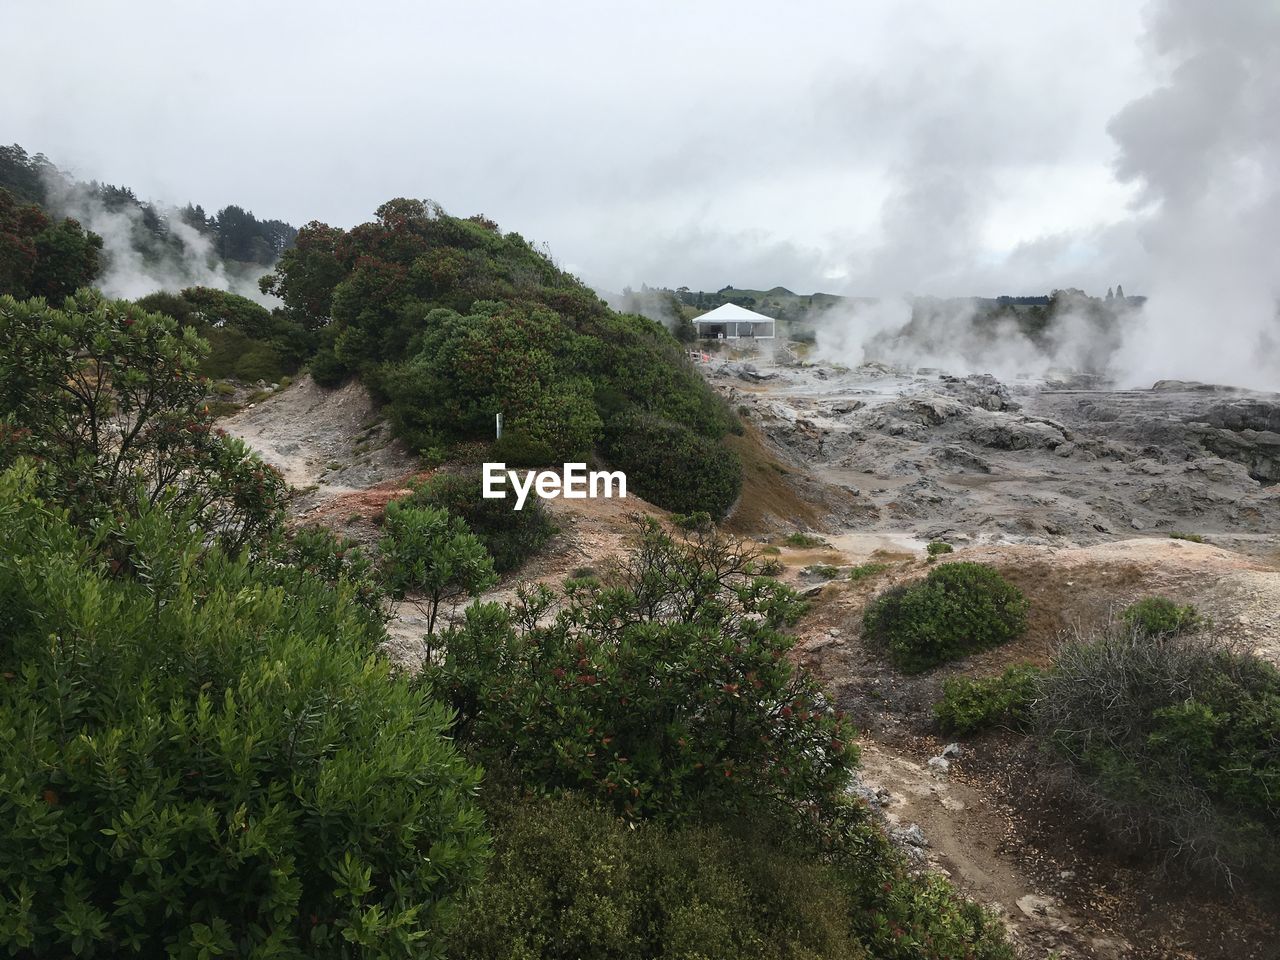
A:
[871,147]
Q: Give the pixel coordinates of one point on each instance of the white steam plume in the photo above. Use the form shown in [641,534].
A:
[1202,151]
[133,268]
[1205,149]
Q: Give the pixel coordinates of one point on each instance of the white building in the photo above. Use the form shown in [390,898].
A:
[732,322]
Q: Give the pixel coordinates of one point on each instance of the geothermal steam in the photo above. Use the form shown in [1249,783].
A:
[1202,151]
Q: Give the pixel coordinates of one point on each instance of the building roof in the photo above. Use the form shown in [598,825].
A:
[730,312]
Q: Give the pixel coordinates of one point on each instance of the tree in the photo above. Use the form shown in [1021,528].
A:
[40,257]
[431,557]
[663,690]
[107,398]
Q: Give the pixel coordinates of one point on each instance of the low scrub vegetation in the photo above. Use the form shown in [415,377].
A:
[198,762]
[868,570]
[667,784]
[108,399]
[247,342]
[450,322]
[1171,739]
[1160,617]
[972,704]
[672,466]
[510,536]
[937,548]
[803,540]
[959,608]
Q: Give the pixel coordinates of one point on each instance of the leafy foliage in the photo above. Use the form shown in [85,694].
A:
[1173,738]
[968,705]
[1160,617]
[107,398]
[518,360]
[247,341]
[510,536]
[451,322]
[868,570]
[198,762]
[40,257]
[431,557]
[663,689]
[958,609]
[673,467]
[938,547]
[572,880]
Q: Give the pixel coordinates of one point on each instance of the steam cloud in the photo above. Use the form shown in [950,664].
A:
[133,264]
[1202,151]
[1205,149]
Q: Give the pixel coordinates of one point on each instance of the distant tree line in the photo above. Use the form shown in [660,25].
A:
[235,233]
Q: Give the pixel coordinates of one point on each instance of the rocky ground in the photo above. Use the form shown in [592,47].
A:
[974,460]
[1073,493]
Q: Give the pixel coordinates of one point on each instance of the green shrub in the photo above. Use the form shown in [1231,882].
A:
[199,762]
[865,571]
[135,376]
[1160,617]
[511,536]
[772,567]
[958,609]
[937,548]
[572,880]
[517,449]
[671,466]
[823,570]
[327,370]
[968,704]
[662,691]
[1172,739]
[569,879]
[430,557]
[449,322]
[1193,537]
[803,540]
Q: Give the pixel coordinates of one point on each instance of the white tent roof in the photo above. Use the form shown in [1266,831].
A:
[730,312]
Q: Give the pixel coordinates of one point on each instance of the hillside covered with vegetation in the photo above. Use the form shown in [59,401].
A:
[450,322]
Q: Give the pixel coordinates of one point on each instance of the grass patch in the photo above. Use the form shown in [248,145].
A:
[868,570]
[804,540]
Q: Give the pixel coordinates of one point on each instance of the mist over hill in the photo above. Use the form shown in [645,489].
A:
[149,247]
